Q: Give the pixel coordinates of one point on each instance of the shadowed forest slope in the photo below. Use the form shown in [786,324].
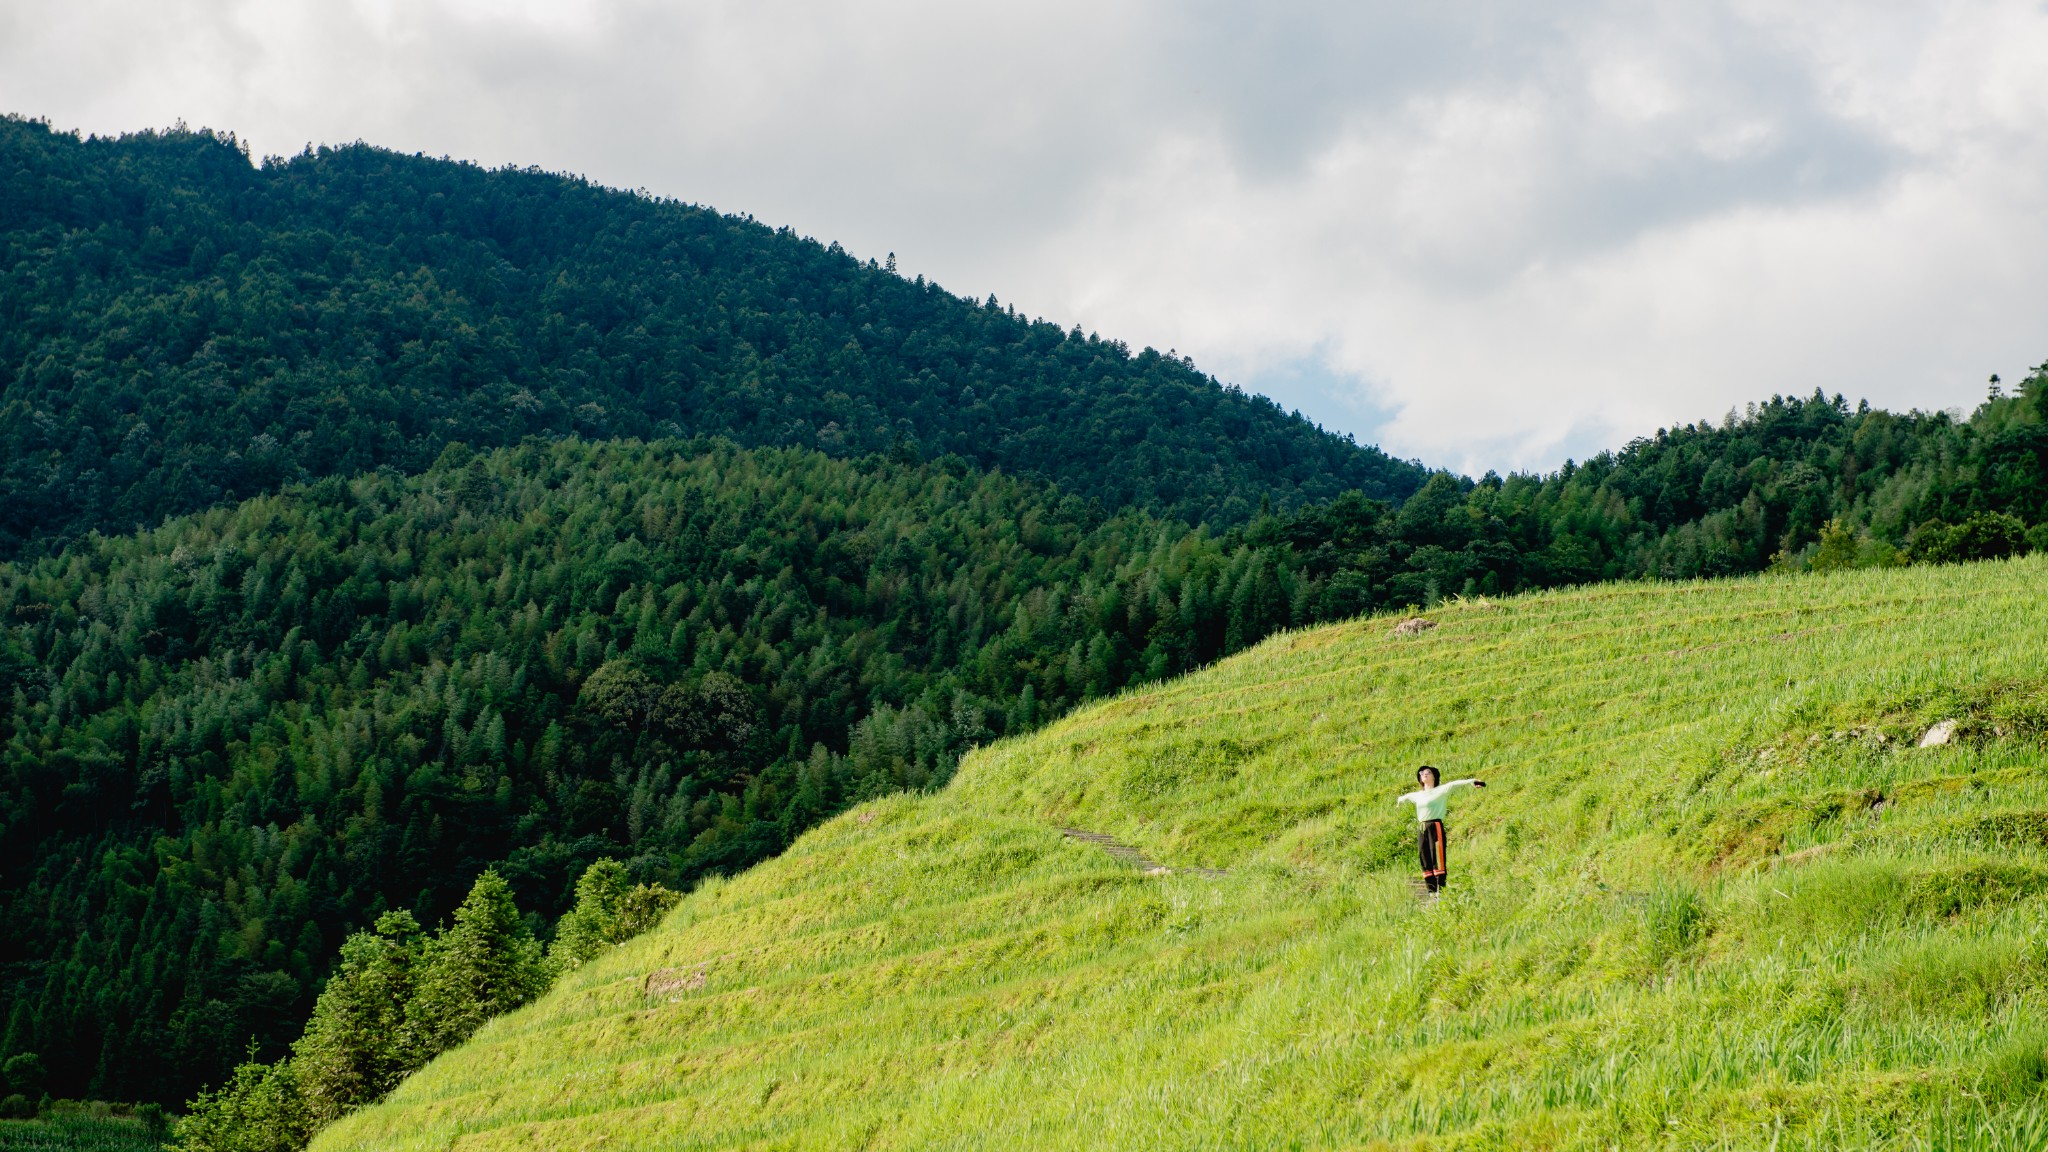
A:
[1716,896]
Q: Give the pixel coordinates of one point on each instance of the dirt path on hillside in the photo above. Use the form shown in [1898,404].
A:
[1132,856]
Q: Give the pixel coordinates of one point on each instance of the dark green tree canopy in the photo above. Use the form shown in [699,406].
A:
[178,328]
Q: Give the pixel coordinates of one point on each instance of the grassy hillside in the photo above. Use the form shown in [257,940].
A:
[70,1126]
[1715,897]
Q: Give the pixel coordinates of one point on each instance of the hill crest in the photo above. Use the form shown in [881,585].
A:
[183,328]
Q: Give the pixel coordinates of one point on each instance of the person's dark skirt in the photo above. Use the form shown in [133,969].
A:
[1435,861]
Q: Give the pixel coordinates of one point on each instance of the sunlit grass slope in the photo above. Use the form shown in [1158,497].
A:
[1715,897]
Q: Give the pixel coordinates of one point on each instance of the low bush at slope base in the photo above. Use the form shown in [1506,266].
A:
[949,970]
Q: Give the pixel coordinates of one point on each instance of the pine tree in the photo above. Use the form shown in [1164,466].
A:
[355,1047]
[487,962]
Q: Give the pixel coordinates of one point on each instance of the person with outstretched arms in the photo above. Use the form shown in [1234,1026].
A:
[1430,801]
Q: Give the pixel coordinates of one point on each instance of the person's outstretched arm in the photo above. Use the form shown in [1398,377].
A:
[1467,782]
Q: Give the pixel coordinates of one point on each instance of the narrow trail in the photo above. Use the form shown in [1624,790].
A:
[1151,867]
[1132,856]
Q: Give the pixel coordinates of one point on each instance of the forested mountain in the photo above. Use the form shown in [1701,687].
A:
[179,328]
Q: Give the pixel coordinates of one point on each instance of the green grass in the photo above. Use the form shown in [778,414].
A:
[1713,898]
[81,1129]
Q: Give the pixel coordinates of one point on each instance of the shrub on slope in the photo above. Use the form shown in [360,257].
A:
[948,970]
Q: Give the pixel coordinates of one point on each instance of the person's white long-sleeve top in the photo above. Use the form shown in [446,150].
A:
[1431,802]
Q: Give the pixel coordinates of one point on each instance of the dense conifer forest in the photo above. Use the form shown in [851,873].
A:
[179,327]
[494,520]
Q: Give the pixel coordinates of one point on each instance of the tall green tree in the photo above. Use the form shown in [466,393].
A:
[360,1040]
[259,1109]
[486,963]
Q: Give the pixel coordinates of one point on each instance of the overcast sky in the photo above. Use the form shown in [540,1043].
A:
[1484,235]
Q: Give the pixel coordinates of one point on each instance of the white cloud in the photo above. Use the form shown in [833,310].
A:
[1486,235]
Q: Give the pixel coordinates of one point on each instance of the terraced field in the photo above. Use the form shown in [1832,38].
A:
[1717,896]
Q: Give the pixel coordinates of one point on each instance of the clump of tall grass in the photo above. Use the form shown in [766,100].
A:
[87,1126]
[1674,920]
[2018,1070]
